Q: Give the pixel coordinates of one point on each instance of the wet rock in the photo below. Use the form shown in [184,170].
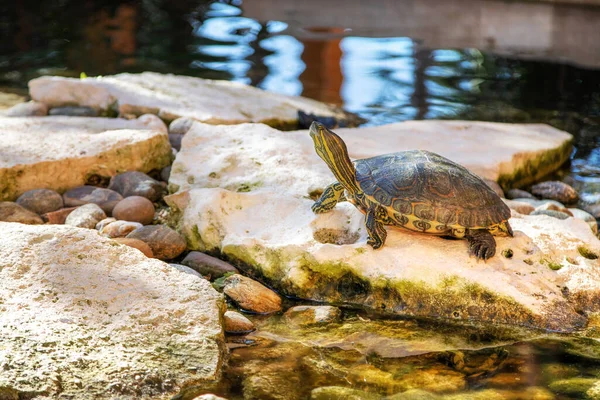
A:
[495,187]
[312,315]
[555,371]
[58,217]
[83,315]
[437,380]
[555,190]
[119,228]
[165,173]
[86,216]
[106,199]
[164,241]
[514,194]
[519,206]
[251,295]
[587,217]
[41,201]
[135,183]
[136,244]
[101,224]
[208,266]
[236,323]
[418,394]
[339,392]
[574,387]
[12,212]
[29,109]
[551,213]
[73,111]
[272,384]
[135,209]
[97,148]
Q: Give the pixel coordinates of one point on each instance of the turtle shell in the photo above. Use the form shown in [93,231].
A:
[431,188]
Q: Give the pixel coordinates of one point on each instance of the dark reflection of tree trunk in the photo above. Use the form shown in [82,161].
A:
[419,97]
[259,70]
[322,78]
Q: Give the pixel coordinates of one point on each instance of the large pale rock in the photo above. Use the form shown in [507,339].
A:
[254,208]
[63,152]
[252,157]
[171,96]
[83,317]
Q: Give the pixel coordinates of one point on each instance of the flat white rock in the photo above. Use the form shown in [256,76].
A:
[244,192]
[172,96]
[60,153]
[84,317]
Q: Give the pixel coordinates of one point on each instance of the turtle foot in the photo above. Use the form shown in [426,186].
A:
[481,244]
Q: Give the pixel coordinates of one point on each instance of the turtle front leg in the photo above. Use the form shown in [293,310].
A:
[481,243]
[375,229]
[333,194]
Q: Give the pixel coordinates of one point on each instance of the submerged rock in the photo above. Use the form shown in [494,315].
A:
[251,295]
[79,307]
[41,201]
[340,392]
[97,147]
[555,190]
[172,96]
[12,212]
[312,315]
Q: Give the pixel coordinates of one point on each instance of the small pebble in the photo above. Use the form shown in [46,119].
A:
[165,173]
[164,241]
[136,209]
[495,187]
[105,198]
[86,216]
[58,217]
[135,183]
[236,323]
[104,222]
[119,228]
[180,126]
[136,244]
[210,267]
[41,201]
[519,206]
[555,190]
[251,295]
[514,194]
[28,109]
[551,213]
[74,111]
[12,212]
[312,315]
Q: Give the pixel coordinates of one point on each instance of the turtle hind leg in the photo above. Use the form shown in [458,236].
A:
[481,243]
[333,194]
[375,229]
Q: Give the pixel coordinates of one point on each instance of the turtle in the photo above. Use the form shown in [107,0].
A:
[415,189]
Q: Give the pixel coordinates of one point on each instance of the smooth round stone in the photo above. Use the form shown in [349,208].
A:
[165,173]
[136,244]
[175,141]
[312,315]
[100,225]
[119,228]
[105,198]
[12,212]
[164,241]
[86,216]
[514,194]
[519,206]
[41,201]
[587,217]
[28,109]
[180,126]
[551,213]
[495,187]
[58,217]
[208,266]
[74,111]
[236,323]
[251,295]
[555,190]
[135,209]
[135,183]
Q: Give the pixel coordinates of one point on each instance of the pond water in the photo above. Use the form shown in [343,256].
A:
[384,80]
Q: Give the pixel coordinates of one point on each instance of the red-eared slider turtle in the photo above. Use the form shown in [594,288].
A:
[418,190]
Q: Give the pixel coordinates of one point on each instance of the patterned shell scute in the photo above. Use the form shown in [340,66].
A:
[431,187]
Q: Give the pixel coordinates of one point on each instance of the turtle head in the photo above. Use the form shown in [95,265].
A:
[332,149]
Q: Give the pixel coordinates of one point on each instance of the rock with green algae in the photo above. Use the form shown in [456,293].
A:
[173,96]
[60,153]
[415,394]
[83,317]
[340,392]
[576,387]
[530,393]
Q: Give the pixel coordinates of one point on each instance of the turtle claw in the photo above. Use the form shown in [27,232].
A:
[481,244]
